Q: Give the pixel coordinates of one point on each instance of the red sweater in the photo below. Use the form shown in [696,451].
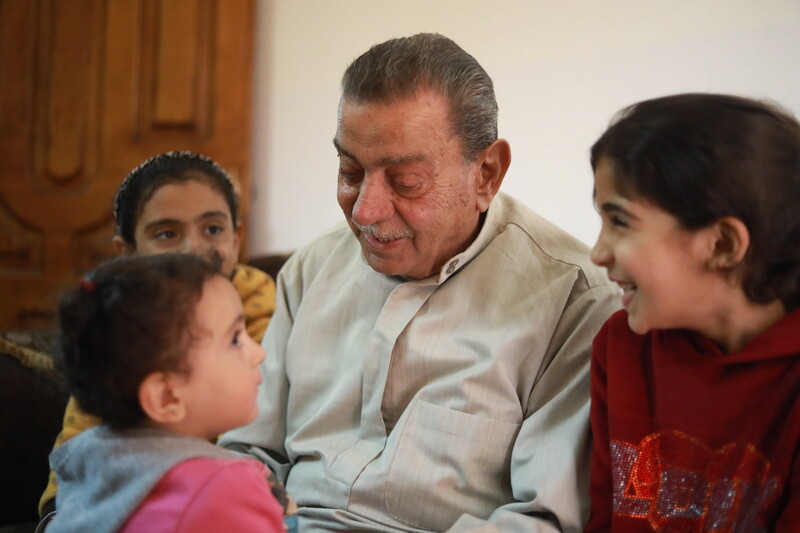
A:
[689,439]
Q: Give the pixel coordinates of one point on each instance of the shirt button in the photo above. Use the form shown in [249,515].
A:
[452,267]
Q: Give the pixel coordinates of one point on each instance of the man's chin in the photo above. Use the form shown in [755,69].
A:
[390,267]
[382,264]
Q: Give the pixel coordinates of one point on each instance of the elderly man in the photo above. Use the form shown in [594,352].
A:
[427,367]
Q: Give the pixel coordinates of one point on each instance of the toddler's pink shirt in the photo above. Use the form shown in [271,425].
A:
[207,495]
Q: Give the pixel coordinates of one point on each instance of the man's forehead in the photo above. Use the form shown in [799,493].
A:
[384,156]
[407,121]
[422,96]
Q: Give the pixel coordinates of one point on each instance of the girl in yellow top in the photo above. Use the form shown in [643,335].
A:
[179,202]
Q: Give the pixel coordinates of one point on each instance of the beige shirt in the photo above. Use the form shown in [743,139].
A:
[456,402]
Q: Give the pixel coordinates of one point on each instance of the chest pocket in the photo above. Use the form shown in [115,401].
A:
[449,463]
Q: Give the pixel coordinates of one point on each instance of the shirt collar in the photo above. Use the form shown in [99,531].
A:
[490,222]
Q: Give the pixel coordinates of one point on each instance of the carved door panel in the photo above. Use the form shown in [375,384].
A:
[89,89]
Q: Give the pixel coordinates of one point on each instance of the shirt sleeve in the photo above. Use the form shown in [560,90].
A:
[236,498]
[550,459]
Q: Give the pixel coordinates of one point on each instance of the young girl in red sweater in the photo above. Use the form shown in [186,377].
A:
[695,408]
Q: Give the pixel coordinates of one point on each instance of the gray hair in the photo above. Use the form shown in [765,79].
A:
[398,68]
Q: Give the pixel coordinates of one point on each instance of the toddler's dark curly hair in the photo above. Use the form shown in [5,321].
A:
[129,318]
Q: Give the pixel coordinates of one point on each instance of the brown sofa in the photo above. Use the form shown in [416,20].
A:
[30,418]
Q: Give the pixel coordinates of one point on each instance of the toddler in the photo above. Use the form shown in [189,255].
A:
[156,348]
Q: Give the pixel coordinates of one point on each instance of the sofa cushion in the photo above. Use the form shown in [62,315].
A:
[31,411]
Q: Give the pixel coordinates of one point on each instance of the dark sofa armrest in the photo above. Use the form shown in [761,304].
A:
[271,263]
[32,406]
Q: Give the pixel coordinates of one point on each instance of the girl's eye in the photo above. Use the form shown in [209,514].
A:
[619,222]
[237,339]
[165,235]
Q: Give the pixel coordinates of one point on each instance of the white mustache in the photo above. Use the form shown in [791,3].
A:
[373,231]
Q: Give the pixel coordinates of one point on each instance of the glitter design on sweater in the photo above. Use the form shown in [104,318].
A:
[677,483]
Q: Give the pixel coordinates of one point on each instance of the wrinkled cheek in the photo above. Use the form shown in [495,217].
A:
[347,198]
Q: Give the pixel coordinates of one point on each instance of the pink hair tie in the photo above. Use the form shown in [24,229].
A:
[87,285]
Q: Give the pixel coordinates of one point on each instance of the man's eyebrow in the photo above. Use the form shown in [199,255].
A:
[341,150]
[386,161]
[396,161]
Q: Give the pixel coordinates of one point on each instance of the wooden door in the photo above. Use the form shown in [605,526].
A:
[89,89]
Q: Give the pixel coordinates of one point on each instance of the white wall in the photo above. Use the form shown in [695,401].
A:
[561,70]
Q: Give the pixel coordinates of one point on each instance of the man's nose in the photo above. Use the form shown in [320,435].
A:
[375,200]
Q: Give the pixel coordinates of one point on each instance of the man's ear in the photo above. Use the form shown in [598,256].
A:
[729,245]
[494,163]
[121,247]
[160,398]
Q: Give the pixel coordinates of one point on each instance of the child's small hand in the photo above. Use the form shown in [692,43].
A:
[286,501]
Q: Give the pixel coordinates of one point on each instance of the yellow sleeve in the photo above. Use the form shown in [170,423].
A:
[257,291]
[75,421]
